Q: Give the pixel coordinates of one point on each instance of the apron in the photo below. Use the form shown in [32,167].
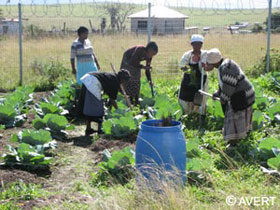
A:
[191,83]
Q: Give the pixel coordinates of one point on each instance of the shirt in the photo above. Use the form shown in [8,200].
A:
[187,59]
[232,80]
[109,82]
[135,55]
[83,52]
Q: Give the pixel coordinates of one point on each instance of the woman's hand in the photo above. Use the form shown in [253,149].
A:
[216,95]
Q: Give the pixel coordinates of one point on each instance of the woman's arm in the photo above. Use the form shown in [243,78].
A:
[73,66]
[185,61]
[72,59]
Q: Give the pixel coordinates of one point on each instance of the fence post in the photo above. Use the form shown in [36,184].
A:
[20,42]
[149,22]
[268,35]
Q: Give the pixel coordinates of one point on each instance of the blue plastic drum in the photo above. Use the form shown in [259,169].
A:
[160,150]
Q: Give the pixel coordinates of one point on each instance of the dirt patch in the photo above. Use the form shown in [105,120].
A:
[102,144]
[10,176]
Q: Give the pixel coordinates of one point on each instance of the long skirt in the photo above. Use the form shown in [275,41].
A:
[90,107]
[132,87]
[237,124]
[84,68]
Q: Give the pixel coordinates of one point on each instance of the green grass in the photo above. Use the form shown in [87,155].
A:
[246,50]
[12,195]
[242,182]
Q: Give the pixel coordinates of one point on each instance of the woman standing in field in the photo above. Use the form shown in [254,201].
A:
[131,61]
[192,63]
[236,93]
[82,50]
[90,104]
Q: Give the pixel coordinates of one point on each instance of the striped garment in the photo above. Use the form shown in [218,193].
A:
[85,58]
[234,85]
[83,52]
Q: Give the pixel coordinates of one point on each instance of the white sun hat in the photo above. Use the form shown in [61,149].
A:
[213,56]
[197,38]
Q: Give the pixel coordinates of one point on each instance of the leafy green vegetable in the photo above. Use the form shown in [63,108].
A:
[12,107]
[274,163]
[53,121]
[273,110]
[45,108]
[120,127]
[215,109]
[56,124]
[258,118]
[26,155]
[32,137]
[116,168]
[7,114]
[268,149]
[197,158]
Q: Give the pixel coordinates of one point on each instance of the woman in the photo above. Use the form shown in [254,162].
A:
[131,61]
[236,93]
[192,63]
[83,51]
[90,103]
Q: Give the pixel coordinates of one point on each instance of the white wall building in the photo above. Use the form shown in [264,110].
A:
[163,21]
[9,26]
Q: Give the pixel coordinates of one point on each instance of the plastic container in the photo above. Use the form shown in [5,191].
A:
[161,152]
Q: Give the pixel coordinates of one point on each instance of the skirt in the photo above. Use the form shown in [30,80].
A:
[90,107]
[237,124]
[84,68]
[132,87]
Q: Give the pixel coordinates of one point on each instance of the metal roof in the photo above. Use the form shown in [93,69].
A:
[159,12]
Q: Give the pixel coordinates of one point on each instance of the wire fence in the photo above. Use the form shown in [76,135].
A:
[237,27]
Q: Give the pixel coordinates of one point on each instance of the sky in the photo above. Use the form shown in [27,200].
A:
[221,4]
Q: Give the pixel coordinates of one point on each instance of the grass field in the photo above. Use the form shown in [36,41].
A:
[246,49]
[47,17]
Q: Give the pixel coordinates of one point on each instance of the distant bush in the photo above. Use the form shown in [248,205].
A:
[34,31]
[257,28]
[275,20]
[274,64]
[49,74]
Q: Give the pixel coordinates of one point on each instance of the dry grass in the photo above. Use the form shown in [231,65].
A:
[245,49]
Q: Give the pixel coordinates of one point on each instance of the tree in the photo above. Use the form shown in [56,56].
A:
[118,14]
[275,20]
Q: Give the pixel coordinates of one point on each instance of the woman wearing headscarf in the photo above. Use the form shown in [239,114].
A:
[82,50]
[131,61]
[236,93]
[90,104]
[192,63]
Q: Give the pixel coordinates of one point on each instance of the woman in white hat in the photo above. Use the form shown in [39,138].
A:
[236,93]
[192,63]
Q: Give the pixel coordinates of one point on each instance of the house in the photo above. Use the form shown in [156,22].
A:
[163,21]
[9,26]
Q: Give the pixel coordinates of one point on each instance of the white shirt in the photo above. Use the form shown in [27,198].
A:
[187,59]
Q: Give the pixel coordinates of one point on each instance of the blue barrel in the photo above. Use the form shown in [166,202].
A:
[161,148]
